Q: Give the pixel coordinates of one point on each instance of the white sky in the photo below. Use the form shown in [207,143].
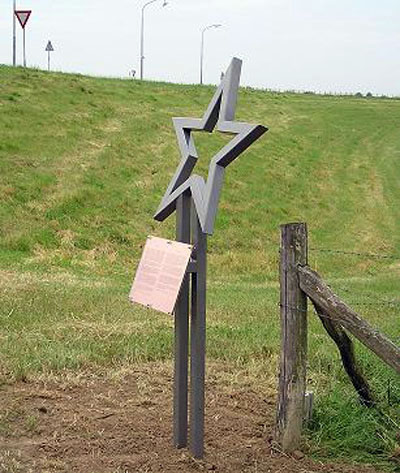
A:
[321,45]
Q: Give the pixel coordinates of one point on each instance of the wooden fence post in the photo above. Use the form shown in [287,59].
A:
[293,301]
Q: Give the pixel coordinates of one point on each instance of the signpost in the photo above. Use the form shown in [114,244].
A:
[23,17]
[49,49]
[196,202]
[14,35]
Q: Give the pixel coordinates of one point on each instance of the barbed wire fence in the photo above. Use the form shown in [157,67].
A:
[366,295]
[369,298]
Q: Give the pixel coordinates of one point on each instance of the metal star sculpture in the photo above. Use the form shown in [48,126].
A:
[220,114]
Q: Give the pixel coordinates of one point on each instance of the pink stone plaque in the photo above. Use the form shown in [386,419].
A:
[160,274]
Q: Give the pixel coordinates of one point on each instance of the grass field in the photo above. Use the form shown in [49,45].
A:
[83,165]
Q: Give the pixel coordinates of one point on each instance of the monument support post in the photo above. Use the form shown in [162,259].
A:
[183,209]
[203,196]
[188,229]
[198,337]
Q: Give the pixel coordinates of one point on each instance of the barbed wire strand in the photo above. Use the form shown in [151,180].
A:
[355,253]
[336,251]
[376,300]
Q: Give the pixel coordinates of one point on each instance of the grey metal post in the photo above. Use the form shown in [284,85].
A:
[48,61]
[198,339]
[202,56]
[14,35]
[182,332]
[24,48]
[142,43]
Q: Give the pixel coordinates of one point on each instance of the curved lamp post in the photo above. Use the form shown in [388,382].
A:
[202,48]
[165,3]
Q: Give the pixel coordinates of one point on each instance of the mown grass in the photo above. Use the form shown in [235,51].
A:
[83,164]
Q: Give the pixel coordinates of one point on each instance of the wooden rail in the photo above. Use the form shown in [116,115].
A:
[320,293]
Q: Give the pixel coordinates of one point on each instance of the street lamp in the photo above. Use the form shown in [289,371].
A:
[202,49]
[165,3]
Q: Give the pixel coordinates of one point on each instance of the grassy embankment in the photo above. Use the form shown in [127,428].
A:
[83,165]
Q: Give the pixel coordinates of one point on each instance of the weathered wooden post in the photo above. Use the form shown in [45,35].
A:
[293,302]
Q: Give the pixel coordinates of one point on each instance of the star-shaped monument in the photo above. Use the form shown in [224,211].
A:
[220,114]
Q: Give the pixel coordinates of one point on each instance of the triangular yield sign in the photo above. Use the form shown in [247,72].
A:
[49,46]
[23,16]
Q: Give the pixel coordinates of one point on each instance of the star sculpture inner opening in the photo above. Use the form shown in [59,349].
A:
[219,115]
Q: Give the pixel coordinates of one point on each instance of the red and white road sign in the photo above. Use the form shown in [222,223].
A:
[23,16]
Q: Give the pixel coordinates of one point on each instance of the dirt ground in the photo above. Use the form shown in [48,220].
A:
[121,423]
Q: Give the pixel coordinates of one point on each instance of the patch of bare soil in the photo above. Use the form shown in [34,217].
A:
[123,424]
